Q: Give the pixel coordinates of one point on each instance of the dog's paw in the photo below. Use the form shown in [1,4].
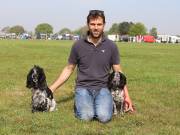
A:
[53,106]
[115,113]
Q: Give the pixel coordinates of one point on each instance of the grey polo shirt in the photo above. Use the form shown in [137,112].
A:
[93,62]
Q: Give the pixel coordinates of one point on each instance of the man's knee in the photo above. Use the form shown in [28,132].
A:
[104,117]
[86,115]
[104,106]
[83,105]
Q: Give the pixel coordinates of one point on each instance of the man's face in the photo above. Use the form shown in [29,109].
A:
[96,27]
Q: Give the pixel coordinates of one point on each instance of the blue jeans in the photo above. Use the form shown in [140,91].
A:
[91,104]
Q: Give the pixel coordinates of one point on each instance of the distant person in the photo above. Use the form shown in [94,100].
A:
[94,56]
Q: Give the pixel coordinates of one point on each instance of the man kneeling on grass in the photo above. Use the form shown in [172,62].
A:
[94,56]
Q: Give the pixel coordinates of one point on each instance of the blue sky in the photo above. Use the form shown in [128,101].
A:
[162,14]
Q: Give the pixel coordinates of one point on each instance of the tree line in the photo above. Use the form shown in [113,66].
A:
[132,29]
[123,28]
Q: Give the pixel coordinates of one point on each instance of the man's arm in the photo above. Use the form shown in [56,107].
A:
[63,77]
[127,97]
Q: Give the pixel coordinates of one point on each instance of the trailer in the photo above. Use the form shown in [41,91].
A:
[168,39]
[113,37]
[148,39]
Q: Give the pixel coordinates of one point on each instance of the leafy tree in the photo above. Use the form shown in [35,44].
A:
[44,28]
[153,32]
[17,29]
[106,32]
[114,29]
[137,29]
[124,28]
[5,29]
[65,31]
[82,31]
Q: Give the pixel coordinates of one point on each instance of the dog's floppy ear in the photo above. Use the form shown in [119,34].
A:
[29,81]
[111,76]
[122,80]
[42,76]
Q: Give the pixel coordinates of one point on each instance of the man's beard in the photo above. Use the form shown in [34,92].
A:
[96,36]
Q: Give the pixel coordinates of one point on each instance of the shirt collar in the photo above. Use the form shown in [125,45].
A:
[98,42]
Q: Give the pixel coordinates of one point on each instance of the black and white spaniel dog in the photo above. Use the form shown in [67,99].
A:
[116,83]
[42,96]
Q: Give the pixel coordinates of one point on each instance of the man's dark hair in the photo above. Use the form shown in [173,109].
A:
[94,14]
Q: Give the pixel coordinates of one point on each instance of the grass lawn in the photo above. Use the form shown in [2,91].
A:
[153,72]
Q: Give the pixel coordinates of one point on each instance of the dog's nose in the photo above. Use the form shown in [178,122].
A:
[34,75]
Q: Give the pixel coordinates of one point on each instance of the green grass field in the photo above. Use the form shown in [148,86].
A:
[153,72]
